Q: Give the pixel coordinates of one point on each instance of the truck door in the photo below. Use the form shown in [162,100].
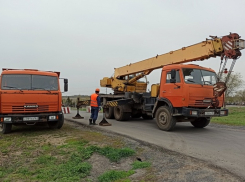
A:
[172,91]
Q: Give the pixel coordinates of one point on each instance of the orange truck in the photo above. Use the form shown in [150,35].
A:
[29,97]
[186,93]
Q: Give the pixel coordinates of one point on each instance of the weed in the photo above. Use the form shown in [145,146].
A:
[86,153]
[24,171]
[46,147]
[1,173]
[116,154]
[114,175]
[45,159]
[140,165]
[124,180]
[74,143]
[72,170]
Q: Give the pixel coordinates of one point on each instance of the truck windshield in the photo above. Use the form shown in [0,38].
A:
[29,82]
[199,76]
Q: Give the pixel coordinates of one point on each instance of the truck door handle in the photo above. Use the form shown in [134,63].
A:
[164,91]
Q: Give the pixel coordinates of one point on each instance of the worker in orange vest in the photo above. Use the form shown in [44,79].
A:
[95,106]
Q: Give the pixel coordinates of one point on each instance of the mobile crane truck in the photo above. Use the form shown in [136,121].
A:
[186,92]
[28,97]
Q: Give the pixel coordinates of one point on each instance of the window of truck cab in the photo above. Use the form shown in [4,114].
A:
[168,77]
[199,76]
[29,82]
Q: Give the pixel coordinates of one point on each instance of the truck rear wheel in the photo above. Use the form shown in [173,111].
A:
[164,119]
[109,113]
[5,128]
[201,122]
[120,115]
[56,124]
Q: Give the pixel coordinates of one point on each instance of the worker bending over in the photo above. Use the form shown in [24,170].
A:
[95,106]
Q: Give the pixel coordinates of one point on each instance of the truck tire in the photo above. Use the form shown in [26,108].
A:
[164,119]
[109,113]
[57,124]
[120,115]
[5,128]
[201,122]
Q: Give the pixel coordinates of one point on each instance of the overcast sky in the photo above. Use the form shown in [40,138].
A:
[86,39]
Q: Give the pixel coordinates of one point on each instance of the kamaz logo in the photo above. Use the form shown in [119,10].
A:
[30,106]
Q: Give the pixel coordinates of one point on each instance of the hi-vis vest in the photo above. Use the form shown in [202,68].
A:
[93,100]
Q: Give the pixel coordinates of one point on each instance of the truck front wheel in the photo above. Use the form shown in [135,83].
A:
[201,122]
[109,113]
[5,128]
[120,115]
[164,119]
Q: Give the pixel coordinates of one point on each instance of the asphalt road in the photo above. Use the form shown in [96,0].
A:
[221,146]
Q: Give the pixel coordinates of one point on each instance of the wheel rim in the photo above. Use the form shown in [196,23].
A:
[163,118]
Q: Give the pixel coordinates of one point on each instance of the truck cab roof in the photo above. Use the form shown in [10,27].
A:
[193,66]
[29,71]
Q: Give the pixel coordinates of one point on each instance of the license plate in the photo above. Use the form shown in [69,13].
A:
[30,118]
[209,113]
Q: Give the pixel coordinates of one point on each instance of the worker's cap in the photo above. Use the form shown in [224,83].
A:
[97,89]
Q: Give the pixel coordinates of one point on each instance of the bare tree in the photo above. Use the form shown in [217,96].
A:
[241,96]
[234,83]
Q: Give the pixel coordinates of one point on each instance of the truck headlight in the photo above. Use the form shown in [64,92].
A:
[222,112]
[7,119]
[52,117]
[207,101]
[194,113]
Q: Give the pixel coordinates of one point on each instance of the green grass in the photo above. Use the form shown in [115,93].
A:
[122,176]
[116,154]
[235,117]
[140,165]
[114,175]
[33,155]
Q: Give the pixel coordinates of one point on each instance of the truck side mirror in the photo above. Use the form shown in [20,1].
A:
[65,85]
[173,76]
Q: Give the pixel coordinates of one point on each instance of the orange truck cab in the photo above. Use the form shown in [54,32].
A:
[29,97]
[187,93]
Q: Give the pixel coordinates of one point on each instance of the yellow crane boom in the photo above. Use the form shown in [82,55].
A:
[228,46]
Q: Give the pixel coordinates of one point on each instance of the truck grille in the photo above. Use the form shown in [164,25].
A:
[198,103]
[23,109]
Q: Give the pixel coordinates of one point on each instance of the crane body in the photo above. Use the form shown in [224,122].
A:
[122,83]
[186,92]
